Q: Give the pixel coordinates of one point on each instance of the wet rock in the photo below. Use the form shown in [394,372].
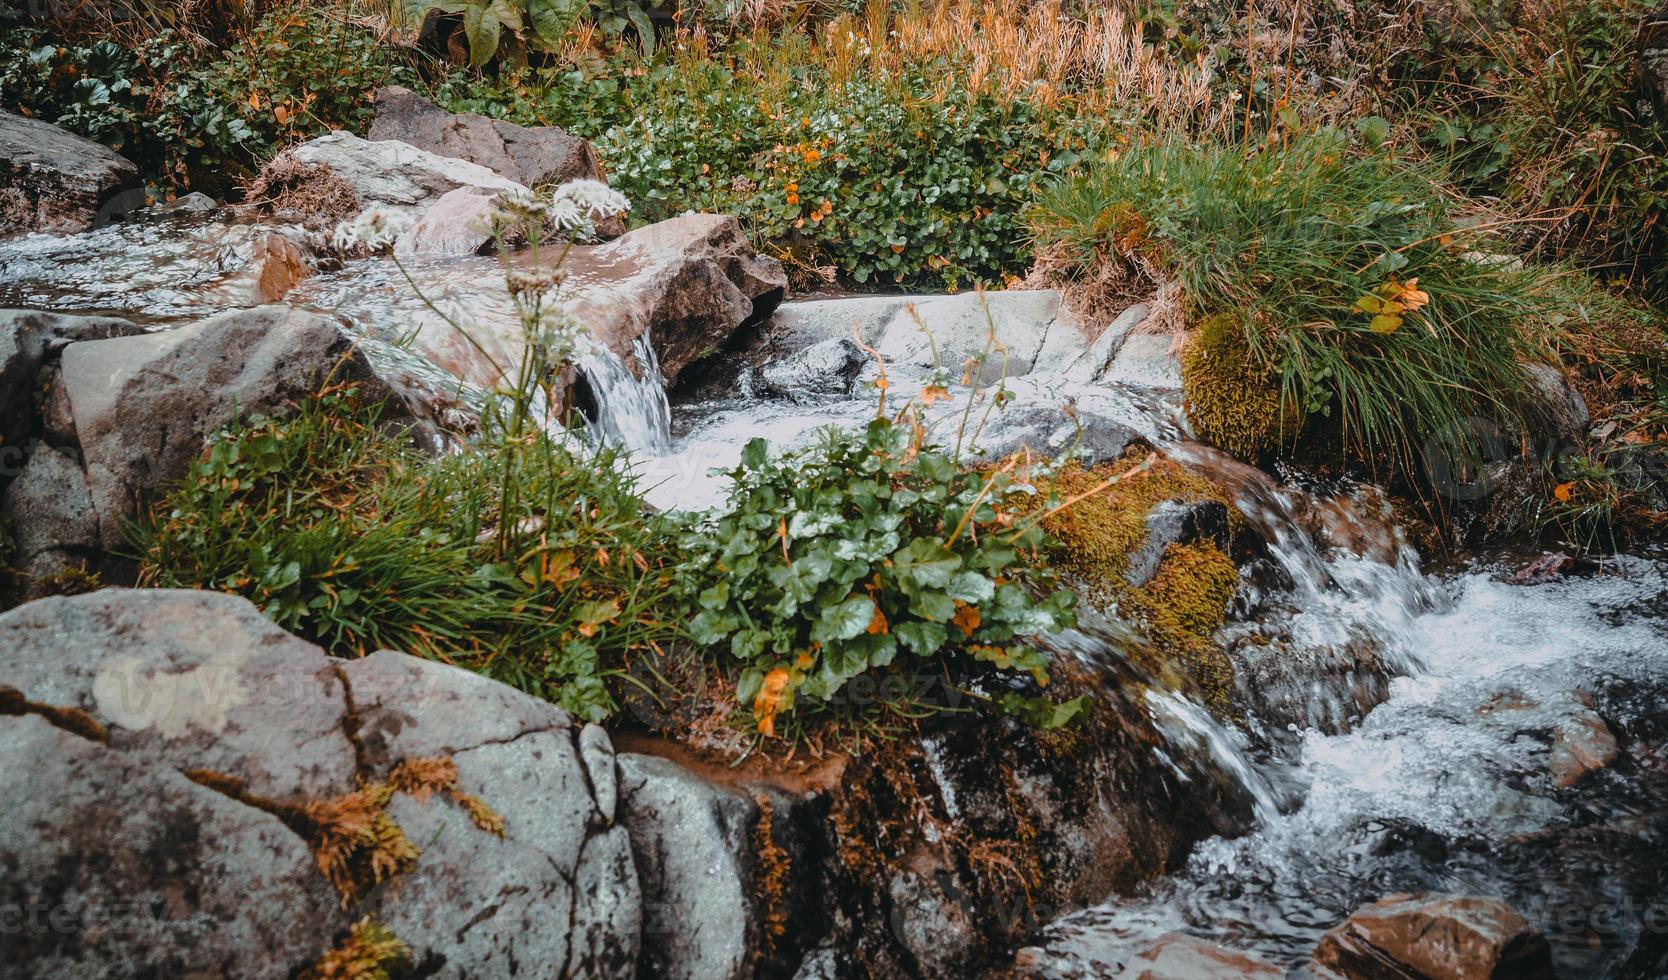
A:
[692,840]
[391,174]
[51,513]
[1582,744]
[460,223]
[195,202]
[144,406]
[121,866]
[31,340]
[189,682]
[1146,360]
[1178,956]
[930,918]
[1033,333]
[54,181]
[827,368]
[1173,522]
[1441,937]
[276,265]
[688,283]
[1051,429]
[1093,363]
[1549,567]
[1567,413]
[533,156]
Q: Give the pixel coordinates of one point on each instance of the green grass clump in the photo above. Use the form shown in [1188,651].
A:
[344,534]
[1348,278]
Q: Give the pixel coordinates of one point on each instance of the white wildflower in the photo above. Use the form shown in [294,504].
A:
[592,197]
[373,230]
[566,215]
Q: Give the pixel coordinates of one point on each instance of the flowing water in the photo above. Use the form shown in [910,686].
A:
[1425,770]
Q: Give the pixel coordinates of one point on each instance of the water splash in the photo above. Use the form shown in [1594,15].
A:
[630,408]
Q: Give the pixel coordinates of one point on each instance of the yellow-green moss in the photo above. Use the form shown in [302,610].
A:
[368,952]
[1184,605]
[1098,533]
[1233,405]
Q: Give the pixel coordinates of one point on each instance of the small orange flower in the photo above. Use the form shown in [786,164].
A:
[769,702]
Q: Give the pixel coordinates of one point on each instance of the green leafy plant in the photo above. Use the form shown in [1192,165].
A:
[493,27]
[868,552]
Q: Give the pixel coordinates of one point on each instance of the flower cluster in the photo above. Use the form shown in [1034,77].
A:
[374,230]
[578,205]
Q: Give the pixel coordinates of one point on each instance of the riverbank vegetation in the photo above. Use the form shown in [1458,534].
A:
[1361,222]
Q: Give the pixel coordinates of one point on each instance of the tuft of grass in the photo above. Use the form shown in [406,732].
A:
[343,533]
[1348,277]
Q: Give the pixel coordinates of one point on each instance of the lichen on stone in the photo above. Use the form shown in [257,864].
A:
[1232,403]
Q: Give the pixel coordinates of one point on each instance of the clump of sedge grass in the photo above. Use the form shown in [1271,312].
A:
[343,533]
[1346,275]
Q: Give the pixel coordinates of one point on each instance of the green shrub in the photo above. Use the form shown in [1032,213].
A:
[1345,273]
[1539,105]
[909,179]
[342,533]
[198,117]
[869,552]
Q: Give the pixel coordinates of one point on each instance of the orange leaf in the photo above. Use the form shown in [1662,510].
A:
[966,618]
[934,393]
[1564,492]
[769,700]
[878,624]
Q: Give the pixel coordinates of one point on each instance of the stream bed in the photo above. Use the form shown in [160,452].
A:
[1447,786]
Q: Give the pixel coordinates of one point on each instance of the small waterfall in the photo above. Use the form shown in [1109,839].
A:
[630,409]
[1192,730]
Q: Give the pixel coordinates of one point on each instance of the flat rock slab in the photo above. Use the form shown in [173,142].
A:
[200,683]
[54,181]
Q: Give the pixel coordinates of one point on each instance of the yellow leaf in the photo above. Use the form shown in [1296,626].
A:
[1369,303]
[1385,323]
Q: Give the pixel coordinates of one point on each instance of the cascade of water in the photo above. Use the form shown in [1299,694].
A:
[631,409]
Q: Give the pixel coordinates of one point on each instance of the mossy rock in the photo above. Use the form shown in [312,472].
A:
[1232,403]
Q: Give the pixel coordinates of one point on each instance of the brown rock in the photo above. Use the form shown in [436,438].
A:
[1439,937]
[1583,744]
[1178,956]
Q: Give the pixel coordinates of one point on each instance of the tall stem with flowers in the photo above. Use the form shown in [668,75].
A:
[534,236]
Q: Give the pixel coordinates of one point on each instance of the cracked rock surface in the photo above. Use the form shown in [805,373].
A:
[189,681]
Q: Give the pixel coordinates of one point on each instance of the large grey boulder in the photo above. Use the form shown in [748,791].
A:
[200,684]
[30,341]
[53,180]
[144,406]
[116,867]
[686,284]
[534,156]
[828,368]
[393,175]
